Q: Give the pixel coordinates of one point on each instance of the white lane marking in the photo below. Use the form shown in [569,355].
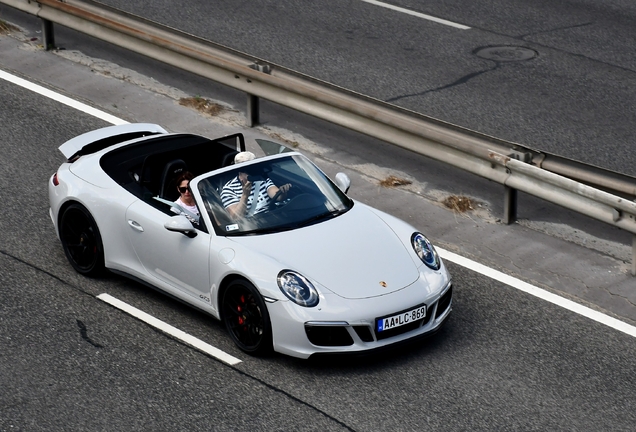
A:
[61,98]
[464,262]
[167,328]
[538,292]
[417,14]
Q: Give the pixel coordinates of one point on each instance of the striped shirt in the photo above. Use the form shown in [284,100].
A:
[233,190]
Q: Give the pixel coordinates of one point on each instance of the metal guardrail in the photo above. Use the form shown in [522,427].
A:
[592,191]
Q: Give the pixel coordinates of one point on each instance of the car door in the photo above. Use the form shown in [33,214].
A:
[172,258]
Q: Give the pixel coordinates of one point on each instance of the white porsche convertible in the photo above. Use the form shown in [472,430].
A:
[313,272]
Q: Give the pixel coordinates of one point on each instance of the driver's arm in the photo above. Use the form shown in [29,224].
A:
[273,190]
[238,209]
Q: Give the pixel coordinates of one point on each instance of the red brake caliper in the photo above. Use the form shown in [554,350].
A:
[239,308]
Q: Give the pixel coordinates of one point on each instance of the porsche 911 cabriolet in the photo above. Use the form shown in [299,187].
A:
[312,272]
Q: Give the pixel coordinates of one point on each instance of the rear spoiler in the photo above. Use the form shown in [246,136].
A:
[94,141]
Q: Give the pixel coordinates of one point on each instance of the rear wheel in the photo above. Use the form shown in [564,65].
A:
[246,318]
[81,240]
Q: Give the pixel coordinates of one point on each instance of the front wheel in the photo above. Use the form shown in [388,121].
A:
[81,240]
[246,318]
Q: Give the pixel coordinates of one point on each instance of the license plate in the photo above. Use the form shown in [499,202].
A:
[400,319]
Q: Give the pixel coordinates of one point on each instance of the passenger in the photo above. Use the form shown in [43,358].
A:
[237,196]
[185,200]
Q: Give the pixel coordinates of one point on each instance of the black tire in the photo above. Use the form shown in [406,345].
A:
[246,318]
[81,241]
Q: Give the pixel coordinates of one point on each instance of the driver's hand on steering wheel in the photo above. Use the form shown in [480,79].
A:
[284,188]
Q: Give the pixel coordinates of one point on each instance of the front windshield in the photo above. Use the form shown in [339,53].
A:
[271,195]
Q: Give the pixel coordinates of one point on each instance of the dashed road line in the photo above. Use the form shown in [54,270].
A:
[172,331]
[417,14]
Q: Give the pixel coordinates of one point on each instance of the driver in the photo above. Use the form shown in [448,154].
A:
[237,196]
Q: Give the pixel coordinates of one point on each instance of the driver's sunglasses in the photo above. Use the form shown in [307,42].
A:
[183,189]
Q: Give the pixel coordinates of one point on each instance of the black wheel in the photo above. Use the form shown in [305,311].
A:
[246,318]
[81,240]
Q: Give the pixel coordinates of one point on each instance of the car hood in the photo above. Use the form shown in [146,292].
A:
[355,255]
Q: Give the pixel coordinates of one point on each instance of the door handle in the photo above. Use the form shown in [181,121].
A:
[135,225]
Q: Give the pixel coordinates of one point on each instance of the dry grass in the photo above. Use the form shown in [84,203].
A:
[393,181]
[202,105]
[6,28]
[460,204]
[279,137]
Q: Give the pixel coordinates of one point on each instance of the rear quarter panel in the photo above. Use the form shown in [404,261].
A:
[107,204]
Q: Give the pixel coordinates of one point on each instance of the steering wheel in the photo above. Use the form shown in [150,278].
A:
[277,195]
[274,203]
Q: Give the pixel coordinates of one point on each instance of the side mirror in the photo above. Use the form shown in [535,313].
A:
[343,182]
[181,224]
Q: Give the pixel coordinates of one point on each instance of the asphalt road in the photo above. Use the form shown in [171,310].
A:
[505,360]
[574,97]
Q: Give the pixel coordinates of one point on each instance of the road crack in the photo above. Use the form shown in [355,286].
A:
[84,334]
[458,82]
[555,30]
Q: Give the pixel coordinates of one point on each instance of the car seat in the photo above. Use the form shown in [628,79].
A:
[169,175]
[228,158]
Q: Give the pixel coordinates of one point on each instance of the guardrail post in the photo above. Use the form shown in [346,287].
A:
[252,110]
[510,205]
[48,36]
[634,255]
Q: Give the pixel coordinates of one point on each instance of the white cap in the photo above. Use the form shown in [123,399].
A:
[244,157]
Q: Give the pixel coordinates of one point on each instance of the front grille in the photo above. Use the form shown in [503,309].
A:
[364,333]
[328,335]
[333,335]
[443,302]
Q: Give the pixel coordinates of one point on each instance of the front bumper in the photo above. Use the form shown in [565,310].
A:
[298,336]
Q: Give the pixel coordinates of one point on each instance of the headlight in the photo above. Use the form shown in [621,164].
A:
[425,250]
[297,288]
